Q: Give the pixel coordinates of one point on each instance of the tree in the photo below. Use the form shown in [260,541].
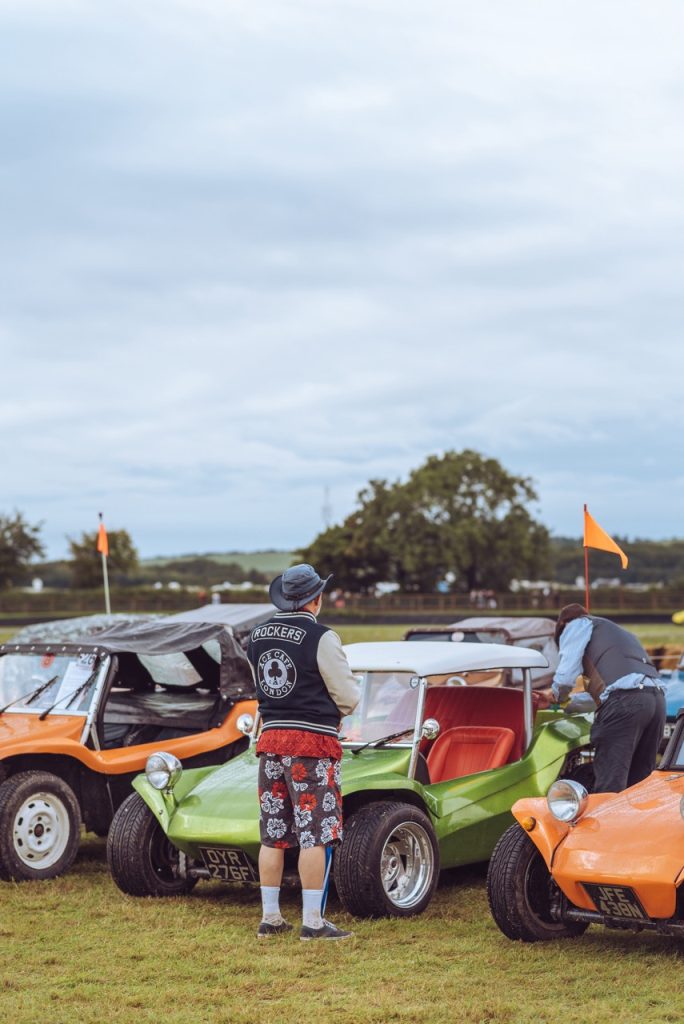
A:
[86,563]
[459,513]
[19,543]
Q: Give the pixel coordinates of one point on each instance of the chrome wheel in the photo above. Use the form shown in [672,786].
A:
[407,865]
[41,830]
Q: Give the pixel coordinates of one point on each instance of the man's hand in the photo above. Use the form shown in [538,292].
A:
[545,697]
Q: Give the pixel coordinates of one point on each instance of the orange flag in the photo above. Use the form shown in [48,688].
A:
[102,542]
[596,537]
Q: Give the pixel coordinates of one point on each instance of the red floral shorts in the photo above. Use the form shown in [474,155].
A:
[300,801]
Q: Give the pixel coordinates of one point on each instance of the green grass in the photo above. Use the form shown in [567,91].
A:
[77,949]
[262,561]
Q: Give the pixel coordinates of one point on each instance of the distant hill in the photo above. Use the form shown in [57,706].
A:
[271,562]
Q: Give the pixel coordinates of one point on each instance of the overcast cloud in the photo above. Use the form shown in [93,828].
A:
[251,249]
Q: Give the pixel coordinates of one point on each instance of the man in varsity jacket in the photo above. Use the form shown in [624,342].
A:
[304,686]
[626,688]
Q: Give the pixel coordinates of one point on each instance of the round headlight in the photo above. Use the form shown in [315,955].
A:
[163,770]
[245,723]
[567,799]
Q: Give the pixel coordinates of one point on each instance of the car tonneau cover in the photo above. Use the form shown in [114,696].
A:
[426,658]
[161,637]
[513,628]
[239,618]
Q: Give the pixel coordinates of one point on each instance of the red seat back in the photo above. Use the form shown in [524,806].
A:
[467,749]
[479,705]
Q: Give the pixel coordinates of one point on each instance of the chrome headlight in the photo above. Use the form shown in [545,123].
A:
[163,770]
[245,723]
[567,799]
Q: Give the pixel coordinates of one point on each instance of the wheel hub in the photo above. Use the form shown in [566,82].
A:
[41,830]
[407,864]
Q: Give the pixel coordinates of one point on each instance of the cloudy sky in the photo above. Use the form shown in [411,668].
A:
[254,248]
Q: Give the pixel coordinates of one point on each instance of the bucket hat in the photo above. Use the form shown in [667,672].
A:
[296,587]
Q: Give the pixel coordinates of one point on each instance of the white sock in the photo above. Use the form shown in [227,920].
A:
[270,901]
[311,908]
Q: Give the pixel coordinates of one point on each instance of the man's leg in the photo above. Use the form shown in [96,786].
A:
[317,805]
[275,827]
[615,734]
[644,759]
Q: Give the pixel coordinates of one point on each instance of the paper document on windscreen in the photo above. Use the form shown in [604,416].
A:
[77,673]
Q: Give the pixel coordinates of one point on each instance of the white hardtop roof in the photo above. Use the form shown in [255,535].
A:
[427,658]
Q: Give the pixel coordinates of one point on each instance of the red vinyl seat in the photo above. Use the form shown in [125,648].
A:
[467,749]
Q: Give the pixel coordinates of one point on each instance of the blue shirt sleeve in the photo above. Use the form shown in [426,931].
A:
[573,642]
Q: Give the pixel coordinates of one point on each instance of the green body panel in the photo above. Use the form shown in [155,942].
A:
[218,807]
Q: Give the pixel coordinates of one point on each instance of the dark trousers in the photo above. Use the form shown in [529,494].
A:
[627,730]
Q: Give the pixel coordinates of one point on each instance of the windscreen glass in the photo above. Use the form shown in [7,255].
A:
[389,701]
[32,683]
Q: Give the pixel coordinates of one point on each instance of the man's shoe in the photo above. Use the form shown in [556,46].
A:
[326,931]
[267,931]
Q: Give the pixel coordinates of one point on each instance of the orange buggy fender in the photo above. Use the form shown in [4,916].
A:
[547,831]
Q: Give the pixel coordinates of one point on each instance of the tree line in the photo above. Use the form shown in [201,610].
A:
[459,522]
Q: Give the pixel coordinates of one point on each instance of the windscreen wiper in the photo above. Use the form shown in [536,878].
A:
[383,739]
[31,696]
[72,696]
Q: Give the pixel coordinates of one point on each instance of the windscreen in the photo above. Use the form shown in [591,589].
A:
[389,702]
[32,683]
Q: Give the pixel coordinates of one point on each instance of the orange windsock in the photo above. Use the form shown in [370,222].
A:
[102,542]
[596,537]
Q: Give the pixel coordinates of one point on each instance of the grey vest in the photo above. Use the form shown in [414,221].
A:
[612,653]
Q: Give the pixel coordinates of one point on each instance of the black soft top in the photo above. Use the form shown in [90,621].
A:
[160,637]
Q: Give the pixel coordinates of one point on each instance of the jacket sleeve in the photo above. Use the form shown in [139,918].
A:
[337,675]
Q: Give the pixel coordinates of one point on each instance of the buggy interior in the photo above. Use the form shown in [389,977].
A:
[480,729]
[160,697]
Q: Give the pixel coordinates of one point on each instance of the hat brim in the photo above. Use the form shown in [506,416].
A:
[275,592]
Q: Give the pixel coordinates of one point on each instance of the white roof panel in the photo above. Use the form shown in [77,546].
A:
[427,658]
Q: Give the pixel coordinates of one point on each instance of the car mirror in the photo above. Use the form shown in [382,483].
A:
[431,729]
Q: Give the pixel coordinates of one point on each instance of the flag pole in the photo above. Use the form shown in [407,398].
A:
[586,565]
[105,577]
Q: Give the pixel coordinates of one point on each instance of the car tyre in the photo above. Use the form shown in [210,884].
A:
[388,863]
[143,862]
[519,890]
[40,826]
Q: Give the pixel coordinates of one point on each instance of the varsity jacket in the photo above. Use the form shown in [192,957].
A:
[303,680]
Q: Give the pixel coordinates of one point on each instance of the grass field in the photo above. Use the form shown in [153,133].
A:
[76,949]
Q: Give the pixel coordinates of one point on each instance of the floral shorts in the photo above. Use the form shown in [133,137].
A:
[300,801]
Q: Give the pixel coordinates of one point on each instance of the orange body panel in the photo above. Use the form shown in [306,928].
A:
[61,734]
[634,838]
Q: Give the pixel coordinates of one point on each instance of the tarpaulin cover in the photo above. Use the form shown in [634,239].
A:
[162,637]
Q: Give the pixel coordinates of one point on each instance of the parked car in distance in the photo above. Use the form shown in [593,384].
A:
[79,719]
[615,859]
[536,634]
[431,768]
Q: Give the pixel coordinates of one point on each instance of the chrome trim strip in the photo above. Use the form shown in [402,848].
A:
[413,763]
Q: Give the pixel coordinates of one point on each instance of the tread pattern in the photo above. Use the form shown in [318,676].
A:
[129,844]
[13,792]
[507,877]
[357,861]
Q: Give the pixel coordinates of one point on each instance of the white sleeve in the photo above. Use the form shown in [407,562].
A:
[337,675]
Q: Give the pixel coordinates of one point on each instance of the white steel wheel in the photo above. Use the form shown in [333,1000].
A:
[40,824]
[41,830]
[407,865]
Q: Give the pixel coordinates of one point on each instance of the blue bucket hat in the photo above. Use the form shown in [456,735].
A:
[296,587]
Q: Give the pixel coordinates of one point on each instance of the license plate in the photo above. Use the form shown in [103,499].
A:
[616,901]
[667,731]
[228,865]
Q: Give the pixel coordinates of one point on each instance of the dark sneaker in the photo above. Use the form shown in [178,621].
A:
[266,930]
[326,931]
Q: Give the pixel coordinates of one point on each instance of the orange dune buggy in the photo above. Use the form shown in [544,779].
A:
[79,718]
[615,859]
